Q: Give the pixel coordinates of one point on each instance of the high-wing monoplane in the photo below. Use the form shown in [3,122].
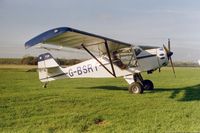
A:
[115,58]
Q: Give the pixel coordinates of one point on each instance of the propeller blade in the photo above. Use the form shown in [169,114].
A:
[169,54]
[170,59]
[166,50]
[169,45]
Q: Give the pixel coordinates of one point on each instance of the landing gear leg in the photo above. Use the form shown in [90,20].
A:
[136,87]
[137,84]
[147,84]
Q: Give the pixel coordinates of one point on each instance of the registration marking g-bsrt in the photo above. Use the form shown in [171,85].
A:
[80,70]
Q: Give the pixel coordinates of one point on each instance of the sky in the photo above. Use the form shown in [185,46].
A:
[141,22]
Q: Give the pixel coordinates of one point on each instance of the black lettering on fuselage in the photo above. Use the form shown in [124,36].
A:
[84,69]
[96,68]
[71,74]
[79,71]
[90,68]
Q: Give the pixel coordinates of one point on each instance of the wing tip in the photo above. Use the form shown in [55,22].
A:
[45,36]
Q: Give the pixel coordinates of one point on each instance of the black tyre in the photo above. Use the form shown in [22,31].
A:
[135,88]
[148,85]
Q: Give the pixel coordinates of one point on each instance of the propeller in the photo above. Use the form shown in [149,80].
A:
[169,54]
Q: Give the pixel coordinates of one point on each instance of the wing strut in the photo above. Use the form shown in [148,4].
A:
[100,61]
[111,63]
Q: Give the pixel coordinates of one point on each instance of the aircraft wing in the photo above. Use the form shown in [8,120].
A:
[69,37]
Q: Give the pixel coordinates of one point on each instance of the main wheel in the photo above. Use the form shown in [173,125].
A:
[135,88]
[148,85]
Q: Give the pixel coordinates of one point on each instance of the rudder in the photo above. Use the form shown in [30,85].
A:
[48,68]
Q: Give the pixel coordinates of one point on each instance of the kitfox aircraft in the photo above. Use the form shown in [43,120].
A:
[115,58]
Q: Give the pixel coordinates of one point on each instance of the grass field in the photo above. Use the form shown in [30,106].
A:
[99,105]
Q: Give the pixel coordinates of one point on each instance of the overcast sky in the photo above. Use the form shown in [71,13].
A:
[142,22]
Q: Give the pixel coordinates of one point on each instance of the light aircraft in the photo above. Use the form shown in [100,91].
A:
[115,58]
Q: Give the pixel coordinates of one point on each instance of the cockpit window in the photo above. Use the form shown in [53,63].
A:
[125,56]
[137,51]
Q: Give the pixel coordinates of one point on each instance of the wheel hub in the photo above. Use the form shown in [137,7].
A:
[135,89]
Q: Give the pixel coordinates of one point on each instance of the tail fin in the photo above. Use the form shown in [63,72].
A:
[48,68]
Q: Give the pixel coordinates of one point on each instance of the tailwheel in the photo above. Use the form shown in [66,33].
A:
[45,85]
[135,88]
[148,85]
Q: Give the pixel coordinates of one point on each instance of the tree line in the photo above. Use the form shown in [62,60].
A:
[30,60]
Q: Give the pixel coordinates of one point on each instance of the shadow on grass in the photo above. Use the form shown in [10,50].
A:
[191,93]
[110,88]
[107,88]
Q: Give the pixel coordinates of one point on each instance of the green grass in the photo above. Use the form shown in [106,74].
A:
[99,105]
